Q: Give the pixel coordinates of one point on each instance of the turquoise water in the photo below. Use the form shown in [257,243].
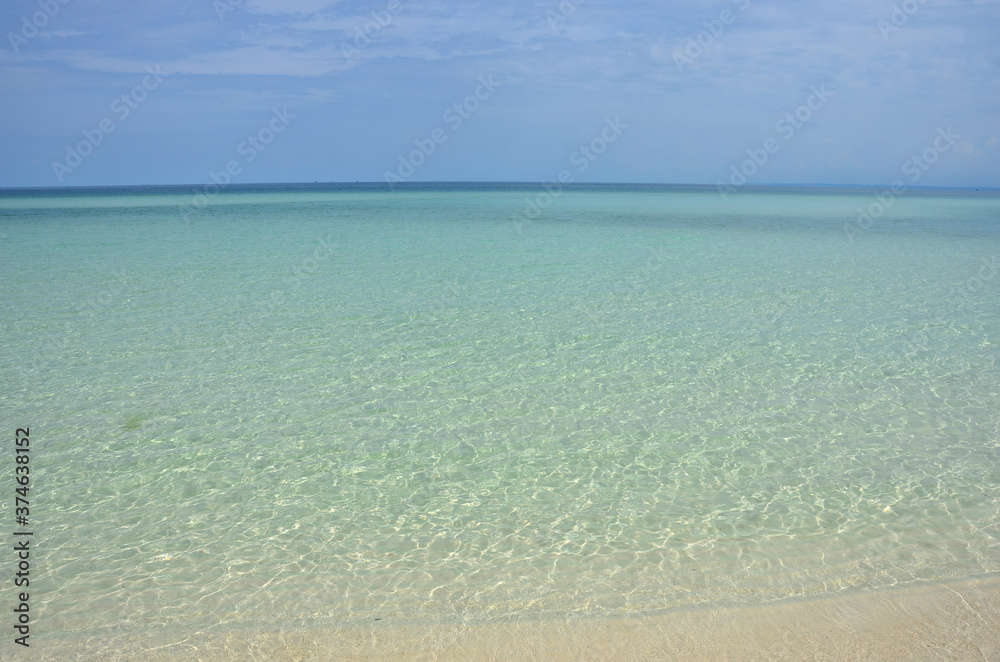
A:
[323,405]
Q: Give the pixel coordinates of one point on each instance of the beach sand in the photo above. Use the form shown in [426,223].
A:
[942,621]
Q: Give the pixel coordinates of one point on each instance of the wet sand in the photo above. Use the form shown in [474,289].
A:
[944,621]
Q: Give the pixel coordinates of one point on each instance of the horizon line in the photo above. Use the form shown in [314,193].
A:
[245,185]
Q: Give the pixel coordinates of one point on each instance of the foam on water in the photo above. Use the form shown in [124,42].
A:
[334,405]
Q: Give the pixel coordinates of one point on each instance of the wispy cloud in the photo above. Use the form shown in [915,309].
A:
[604,58]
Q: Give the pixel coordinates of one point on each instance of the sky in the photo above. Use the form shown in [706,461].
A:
[852,92]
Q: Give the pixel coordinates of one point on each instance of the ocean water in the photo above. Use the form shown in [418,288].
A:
[322,405]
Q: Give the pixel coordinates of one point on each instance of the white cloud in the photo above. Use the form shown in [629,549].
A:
[63,33]
[288,7]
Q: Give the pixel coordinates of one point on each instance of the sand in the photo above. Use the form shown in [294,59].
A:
[944,621]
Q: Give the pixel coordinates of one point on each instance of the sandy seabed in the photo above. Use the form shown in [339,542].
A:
[942,621]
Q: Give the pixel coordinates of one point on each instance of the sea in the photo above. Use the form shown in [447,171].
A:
[311,406]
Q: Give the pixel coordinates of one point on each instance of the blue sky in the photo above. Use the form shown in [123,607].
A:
[332,106]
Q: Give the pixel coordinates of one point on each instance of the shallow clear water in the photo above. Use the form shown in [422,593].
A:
[333,405]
